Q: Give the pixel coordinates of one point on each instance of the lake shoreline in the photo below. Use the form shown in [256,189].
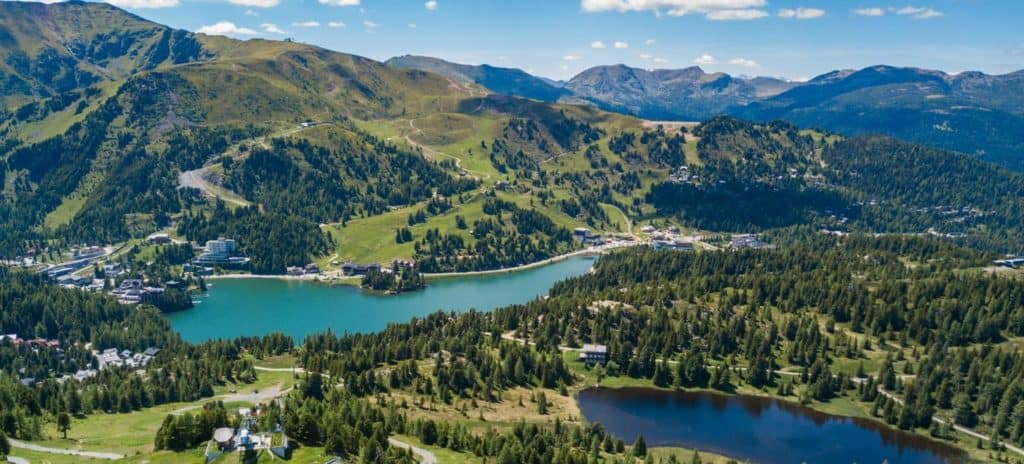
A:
[816,408]
[298,307]
[347,280]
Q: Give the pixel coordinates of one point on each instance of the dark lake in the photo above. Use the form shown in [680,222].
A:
[762,430]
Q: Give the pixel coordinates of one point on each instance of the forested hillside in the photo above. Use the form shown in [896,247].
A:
[759,176]
[78,322]
[315,153]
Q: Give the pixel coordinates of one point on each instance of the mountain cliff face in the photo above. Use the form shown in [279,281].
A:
[686,94]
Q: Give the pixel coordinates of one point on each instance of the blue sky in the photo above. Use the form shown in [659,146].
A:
[558,38]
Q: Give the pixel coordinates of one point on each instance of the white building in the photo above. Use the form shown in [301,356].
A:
[221,247]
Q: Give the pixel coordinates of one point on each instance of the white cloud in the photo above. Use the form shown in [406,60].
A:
[306,24]
[340,2]
[597,44]
[919,12]
[256,3]
[431,5]
[564,68]
[225,28]
[251,13]
[736,15]
[712,9]
[370,26]
[272,28]
[621,45]
[744,62]
[572,58]
[650,42]
[335,24]
[705,59]
[801,13]
[661,60]
[412,25]
[869,12]
[645,56]
[139,4]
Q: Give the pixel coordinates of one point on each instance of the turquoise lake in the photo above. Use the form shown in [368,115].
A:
[250,307]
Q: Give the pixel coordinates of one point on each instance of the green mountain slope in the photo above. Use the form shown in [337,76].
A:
[49,49]
[970,112]
[318,154]
[763,176]
[506,81]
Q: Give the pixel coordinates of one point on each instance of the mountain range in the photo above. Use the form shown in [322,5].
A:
[970,112]
[114,127]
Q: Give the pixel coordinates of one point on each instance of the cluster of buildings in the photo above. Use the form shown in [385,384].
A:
[222,252]
[246,437]
[587,237]
[740,241]
[135,291]
[81,257]
[34,342]
[111,357]
[683,176]
[86,252]
[668,239]
[309,269]
[352,269]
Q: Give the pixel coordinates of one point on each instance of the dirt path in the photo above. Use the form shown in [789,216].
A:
[67,452]
[958,428]
[426,457]
[432,152]
[629,223]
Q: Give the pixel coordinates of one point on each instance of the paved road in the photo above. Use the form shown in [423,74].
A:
[196,179]
[426,457]
[262,396]
[68,452]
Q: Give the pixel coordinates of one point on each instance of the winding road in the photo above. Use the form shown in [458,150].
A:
[426,457]
[196,179]
[433,152]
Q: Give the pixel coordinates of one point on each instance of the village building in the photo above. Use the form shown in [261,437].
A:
[222,252]
[135,291]
[679,245]
[351,269]
[746,241]
[111,357]
[159,239]
[86,252]
[597,354]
